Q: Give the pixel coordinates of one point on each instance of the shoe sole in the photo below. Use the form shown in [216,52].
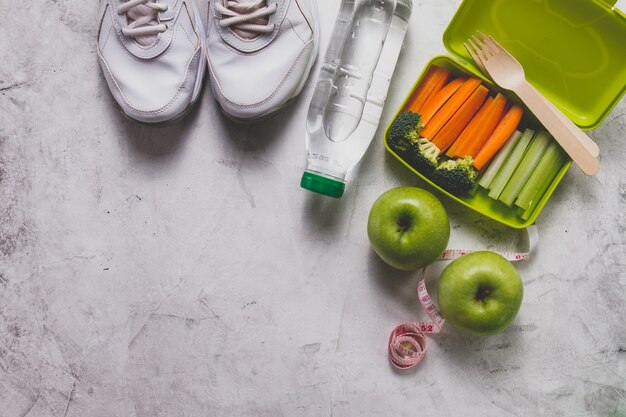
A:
[307,73]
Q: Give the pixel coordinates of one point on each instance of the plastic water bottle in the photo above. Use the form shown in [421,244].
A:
[351,89]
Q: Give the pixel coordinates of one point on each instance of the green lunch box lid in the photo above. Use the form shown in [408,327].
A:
[572,51]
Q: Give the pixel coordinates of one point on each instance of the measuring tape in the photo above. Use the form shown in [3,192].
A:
[407,342]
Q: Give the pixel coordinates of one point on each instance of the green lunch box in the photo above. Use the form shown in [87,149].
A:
[572,51]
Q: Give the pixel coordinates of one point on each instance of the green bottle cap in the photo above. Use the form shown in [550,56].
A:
[322,184]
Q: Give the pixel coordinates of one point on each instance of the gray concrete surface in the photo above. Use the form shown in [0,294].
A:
[182,271]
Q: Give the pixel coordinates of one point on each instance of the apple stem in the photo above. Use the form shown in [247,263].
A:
[482,293]
[404,223]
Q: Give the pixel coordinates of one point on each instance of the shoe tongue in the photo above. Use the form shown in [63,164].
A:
[140,11]
[245,6]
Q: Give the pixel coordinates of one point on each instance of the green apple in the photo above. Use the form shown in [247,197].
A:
[408,228]
[480,293]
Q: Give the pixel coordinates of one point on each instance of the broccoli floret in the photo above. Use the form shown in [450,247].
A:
[404,131]
[424,156]
[456,176]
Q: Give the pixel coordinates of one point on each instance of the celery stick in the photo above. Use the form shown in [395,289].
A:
[526,167]
[544,186]
[494,166]
[550,159]
[507,169]
[526,213]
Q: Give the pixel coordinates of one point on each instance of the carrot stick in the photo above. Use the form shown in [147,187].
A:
[434,103]
[492,117]
[460,142]
[434,124]
[461,118]
[503,131]
[433,81]
[443,81]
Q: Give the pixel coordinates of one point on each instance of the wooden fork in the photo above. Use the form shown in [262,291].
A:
[580,135]
[508,73]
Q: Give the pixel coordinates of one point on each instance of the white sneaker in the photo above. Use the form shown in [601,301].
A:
[152,55]
[260,53]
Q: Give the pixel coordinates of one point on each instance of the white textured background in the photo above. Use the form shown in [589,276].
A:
[183,272]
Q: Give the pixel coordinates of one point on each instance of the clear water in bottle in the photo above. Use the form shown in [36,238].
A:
[351,89]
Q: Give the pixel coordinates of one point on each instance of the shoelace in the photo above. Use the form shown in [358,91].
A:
[143,16]
[247,18]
